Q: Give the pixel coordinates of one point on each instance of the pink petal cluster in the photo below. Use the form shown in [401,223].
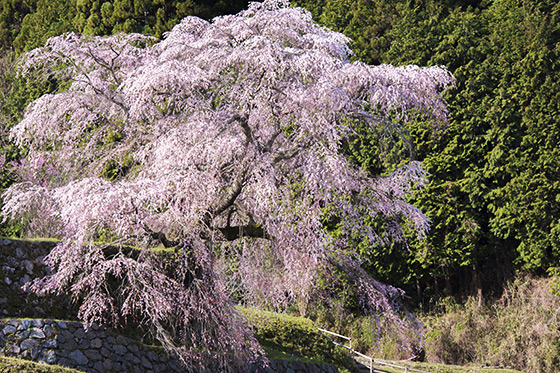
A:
[233,129]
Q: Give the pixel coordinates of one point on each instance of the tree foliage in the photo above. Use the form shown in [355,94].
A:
[492,192]
[493,189]
[366,22]
[25,25]
[226,137]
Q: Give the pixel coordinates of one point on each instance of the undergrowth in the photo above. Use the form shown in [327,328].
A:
[520,330]
[378,339]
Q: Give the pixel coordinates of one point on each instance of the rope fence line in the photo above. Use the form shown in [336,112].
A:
[369,358]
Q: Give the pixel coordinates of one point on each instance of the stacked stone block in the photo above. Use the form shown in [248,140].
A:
[70,345]
[99,350]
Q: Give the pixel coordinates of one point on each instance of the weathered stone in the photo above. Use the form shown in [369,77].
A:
[49,331]
[117,366]
[25,324]
[78,357]
[80,333]
[146,363]
[5,242]
[111,340]
[174,365]
[105,352]
[14,349]
[50,343]
[66,363]
[62,353]
[25,354]
[99,367]
[133,347]
[152,356]
[28,266]
[70,345]
[90,334]
[20,253]
[116,357]
[66,334]
[107,364]
[35,353]
[22,334]
[96,343]
[121,340]
[28,343]
[84,344]
[92,354]
[61,324]
[8,269]
[39,323]
[48,357]
[119,349]
[37,333]
[290,370]
[9,329]
[24,280]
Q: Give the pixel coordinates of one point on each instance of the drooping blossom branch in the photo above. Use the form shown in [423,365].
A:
[225,134]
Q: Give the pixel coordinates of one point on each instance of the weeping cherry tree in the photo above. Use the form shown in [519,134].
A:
[226,135]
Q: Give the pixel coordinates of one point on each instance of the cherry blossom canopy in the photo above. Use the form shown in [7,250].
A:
[225,134]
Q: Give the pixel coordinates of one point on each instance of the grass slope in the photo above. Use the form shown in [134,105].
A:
[441,368]
[11,365]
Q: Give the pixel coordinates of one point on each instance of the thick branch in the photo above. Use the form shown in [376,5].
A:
[228,198]
[250,230]
[285,154]
[244,123]
[161,237]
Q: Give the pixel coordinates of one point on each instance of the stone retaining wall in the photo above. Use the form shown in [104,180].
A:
[99,350]
[70,345]
[21,262]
